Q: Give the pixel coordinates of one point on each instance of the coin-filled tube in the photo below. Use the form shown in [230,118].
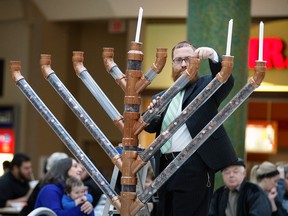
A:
[99,95]
[77,109]
[15,67]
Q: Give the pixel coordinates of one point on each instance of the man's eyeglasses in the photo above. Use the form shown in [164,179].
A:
[180,60]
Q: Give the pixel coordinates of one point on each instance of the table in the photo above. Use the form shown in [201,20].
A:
[9,211]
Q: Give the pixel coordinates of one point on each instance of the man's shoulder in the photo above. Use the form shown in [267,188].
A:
[220,190]
[6,178]
[252,187]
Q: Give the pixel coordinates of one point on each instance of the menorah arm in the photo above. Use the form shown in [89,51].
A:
[45,63]
[73,104]
[136,206]
[154,70]
[15,68]
[99,95]
[112,68]
[259,74]
[77,60]
[226,69]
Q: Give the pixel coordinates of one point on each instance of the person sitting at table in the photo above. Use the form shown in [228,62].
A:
[14,185]
[5,165]
[52,159]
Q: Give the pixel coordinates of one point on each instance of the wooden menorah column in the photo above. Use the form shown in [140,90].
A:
[131,115]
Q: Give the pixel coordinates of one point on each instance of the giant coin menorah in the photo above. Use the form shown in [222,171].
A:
[131,123]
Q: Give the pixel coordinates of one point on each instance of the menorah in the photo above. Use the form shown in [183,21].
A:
[131,123]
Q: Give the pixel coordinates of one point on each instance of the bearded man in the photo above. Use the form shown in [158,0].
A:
[14,185]
[188,192]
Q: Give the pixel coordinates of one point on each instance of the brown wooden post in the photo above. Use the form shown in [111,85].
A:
[131,115]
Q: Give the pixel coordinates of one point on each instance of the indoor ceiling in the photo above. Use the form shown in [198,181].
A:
[65,10]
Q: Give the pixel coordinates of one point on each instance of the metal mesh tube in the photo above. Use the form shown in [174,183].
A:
[82,115]
[200,138]
[193,106]
[99,95]
[66,138]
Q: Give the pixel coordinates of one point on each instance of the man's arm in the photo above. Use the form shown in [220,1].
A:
[6,194]
[210,54]
[155,124]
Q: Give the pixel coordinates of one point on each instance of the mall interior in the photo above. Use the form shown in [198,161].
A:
[30,28]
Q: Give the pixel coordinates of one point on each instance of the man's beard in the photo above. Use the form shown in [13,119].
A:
[177,74]
[24,178]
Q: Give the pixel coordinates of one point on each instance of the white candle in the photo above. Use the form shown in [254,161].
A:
[260,52]
[229,37]
[139,25]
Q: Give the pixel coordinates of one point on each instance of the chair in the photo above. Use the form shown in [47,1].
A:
[42,211]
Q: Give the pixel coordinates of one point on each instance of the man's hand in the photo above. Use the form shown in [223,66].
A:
[205,53]
[152,104]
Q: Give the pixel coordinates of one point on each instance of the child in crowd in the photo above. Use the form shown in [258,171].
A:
[75,193]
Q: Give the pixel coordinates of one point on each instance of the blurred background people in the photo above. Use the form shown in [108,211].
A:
[266,175]
[282,187]
[238,197]
[52,189]
[14,184]
[5,165]
[52,159]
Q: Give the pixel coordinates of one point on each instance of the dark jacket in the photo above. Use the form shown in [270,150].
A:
[11,188]
[252,201]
